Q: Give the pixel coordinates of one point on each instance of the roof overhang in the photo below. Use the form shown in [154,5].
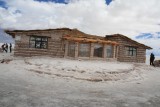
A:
[12,33]
[89,40]
[128,39]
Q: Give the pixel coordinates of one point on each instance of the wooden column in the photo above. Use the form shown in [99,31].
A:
[117,51]
[66,49]
[92,50]
[104,51]
[114,51]
[76,50]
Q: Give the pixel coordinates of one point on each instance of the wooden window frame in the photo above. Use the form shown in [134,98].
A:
[41,41]
[80,48]
[130,50]
[112,50]
[69,48]
[102,50]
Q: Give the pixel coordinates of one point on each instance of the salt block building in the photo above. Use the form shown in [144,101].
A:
[74,44]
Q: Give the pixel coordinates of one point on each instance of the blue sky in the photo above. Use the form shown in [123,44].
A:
[63,1]
[3,4]
[56,1]
[97,17]
[148,35]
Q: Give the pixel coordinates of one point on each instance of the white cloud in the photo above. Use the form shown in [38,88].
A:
[152,42]
[128,17]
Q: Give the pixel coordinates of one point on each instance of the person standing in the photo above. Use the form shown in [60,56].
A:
[10,47]
[152,59]
[6,48]
[3,47]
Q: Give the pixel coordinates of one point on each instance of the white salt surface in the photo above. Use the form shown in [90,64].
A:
[52,82]
[88,66]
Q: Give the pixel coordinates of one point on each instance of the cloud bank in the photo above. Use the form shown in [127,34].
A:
[128,17]
[151,39]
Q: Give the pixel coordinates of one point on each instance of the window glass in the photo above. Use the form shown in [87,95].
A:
[44,45]
[131,51]
[84,49]
[98,50]
[38,45]
[44,39]
[109,49]
[38,42]
[38,38]
[71,49]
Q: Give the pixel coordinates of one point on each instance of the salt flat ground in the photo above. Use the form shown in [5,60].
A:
[53,82]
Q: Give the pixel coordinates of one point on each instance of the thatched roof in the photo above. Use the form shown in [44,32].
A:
[128,39]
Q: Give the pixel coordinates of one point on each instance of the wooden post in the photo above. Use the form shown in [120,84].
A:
[66,49]
[117,52]
[92,50]
[76,50]
[114,51]
[104,51]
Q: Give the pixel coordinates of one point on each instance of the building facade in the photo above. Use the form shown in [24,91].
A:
[129,50]
[72,43]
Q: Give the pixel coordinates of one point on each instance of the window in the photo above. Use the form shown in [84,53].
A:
[38,42]
[131,51]
[71,49]
[109,49]
[84,49]
[98,50]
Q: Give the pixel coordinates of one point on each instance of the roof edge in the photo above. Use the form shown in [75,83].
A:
[120,35]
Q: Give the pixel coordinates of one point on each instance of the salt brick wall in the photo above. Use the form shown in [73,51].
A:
[55,45]
[141,52]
